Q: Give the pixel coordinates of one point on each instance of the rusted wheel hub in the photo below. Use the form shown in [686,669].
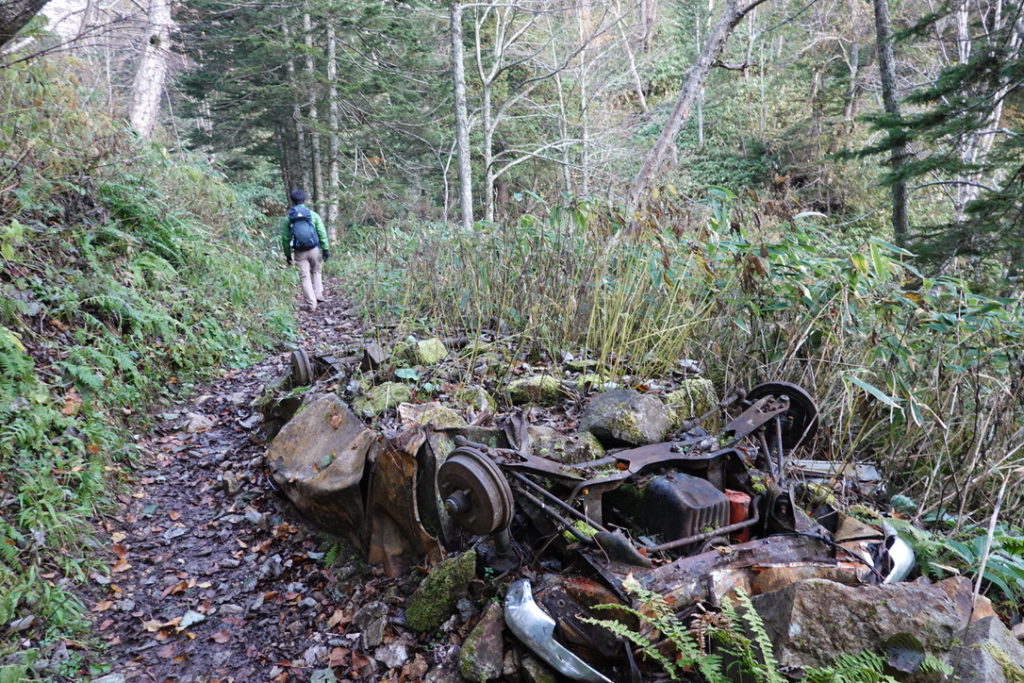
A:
[302,370]
[475,492]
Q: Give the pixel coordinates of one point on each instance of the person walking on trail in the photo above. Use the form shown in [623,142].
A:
[303,234]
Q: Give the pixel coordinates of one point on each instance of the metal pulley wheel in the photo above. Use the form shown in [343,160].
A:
[302,370]
[800,421]
[475,492]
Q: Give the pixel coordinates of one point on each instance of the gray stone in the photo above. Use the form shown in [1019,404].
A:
[546,442]
[482,652]
[110,678]
[989,654]
[371,620]
[693,398]
[543,389]
[439,592]
[196,422]
[535,671]
[392,655]
[381,397]
[811,622]
[626,416]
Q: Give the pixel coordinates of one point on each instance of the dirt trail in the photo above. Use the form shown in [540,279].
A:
[216,577]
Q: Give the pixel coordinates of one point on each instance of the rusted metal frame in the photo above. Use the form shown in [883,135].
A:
[554,515]
[753,418]
[558,501]
[641,461]
[696,538]
[781,454]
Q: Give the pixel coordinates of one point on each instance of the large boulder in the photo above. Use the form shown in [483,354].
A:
[318,460]
[482,652]
[989,654]
[625,416]
[693,398]
[812,622]
[435,599]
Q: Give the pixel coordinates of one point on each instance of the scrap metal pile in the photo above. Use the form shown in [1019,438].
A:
[693,519]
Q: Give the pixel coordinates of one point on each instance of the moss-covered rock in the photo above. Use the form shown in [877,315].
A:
[431,603]
[476,398]
[433,414]
[533,670]
[381,397]
[481,656]
[693,398]
[625,416]
[576,448]
[543,389]
[428,351]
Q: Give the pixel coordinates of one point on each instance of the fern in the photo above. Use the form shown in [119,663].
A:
[860,667]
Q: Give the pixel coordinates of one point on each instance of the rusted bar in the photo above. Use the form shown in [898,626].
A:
[557,501]
[561,520]
[696,538]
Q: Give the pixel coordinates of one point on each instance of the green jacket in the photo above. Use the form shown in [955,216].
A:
[286,232]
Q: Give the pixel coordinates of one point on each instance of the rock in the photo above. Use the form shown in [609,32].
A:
[318,460]
[371,620]
[482,653]
[546,442]
[195,422]
[693,398]
[427,352]
[381,397]
[534,671]
[475,397]
[1018,631]
[582,447]
[439,592]
[960,590]
[442,675]
[581,364]
[110,678]
[626,416]
[373,356]
[543,389]
[392,655]
[433,414]
[811,622]
[590,380]
[989,654]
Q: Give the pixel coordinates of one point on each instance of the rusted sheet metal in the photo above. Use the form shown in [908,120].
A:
[757,566]
[319,460]
[396,536]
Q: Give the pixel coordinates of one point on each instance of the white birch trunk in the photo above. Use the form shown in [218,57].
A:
[332,124]
[152,72]
[461,117]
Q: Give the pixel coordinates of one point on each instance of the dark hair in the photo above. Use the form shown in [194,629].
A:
[298,196]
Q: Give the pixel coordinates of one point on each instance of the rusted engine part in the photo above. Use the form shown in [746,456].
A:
[305,369]
[354,482]
[781,416]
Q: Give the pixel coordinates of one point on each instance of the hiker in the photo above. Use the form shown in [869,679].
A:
[302,232]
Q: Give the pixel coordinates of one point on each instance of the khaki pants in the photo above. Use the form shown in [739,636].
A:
[309,263]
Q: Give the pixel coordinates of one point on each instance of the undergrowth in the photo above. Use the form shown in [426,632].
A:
[125,273]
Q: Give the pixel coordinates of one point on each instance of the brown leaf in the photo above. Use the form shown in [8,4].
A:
[174,515]
[166,652]
[105,624]
[72,402]
[336,420]
[221,636]
[338,618]
[337,657]
[121,566]
[103,606]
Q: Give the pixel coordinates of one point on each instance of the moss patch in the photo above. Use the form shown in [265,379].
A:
[437,594]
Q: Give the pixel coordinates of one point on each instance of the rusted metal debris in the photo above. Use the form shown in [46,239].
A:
[694,519]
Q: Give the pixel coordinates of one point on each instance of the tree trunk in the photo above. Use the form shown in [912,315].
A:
[461,117]
[887,73]
[14,14]
[692,88]
[332,125]
[585,105]
[152,72]
[300,130]
[314,116]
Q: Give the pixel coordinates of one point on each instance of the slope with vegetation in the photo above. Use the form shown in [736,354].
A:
[125,273]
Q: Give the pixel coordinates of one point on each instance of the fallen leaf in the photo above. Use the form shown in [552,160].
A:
[221,636]
[72,402]
[336,618]
[121,566]
[166,652]
[338,657]
[103,606]
[190,618]
[174,515]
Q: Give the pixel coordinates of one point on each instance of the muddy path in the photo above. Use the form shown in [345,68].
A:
[217,578]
